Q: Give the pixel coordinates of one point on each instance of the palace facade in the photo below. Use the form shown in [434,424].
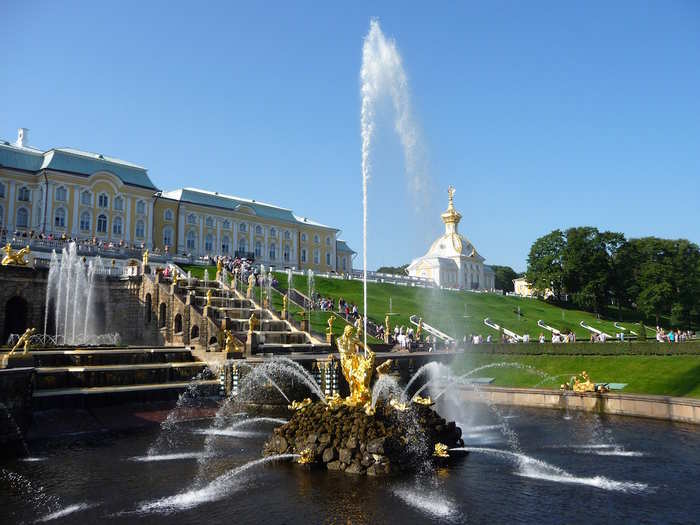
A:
[88,195]
[452,260]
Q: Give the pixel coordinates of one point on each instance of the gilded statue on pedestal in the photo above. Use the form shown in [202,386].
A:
[145,257]
[12,257]
[209,295]
[358,327]
[252,323]
[219,267]
[231,344]
[284,305]
[329,330]
[251,285]
[419,330]
[24,340]
[357,368]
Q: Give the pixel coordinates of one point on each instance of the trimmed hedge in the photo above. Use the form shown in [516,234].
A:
[586,348]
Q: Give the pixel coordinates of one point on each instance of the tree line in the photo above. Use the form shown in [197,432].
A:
[593,269]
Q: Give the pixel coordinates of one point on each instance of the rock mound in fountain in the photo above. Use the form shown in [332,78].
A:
[346,438]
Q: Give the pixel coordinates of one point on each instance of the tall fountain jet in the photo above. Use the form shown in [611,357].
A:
[70,297]
[382,75]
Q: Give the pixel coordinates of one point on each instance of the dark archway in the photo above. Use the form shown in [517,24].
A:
[213,340]
[16,317]
[177,325]
[194,334]
[162,316]
[149,308]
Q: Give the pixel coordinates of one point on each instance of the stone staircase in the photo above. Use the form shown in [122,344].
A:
[87,377]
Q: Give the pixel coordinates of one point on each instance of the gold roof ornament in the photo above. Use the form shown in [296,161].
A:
[451,216]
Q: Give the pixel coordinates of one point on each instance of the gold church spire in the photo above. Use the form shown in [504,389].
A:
[451,217]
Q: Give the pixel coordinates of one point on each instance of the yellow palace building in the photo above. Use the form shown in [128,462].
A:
[65,191]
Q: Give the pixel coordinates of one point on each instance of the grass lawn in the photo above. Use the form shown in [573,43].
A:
[661,375]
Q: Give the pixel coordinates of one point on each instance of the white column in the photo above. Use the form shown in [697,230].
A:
[76,203]
[201,235]
[218,237]
[34,218]
[10,205]
[127,218]
[235,236]
[179,243]
[266,251]
[50,190]
[149,221]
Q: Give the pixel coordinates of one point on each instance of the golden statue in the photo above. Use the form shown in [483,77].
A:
[23,340]
[585,385]
[441,451]
[358,327]
[251,284]
[305,456]
[329,331]
[384,367]
[357,368]
[219,267]
[253,323]
[387,328]
[419,330]
[299,405]
[209,295]
[145,257]
[398,405]
[284,305]
[175,277]
[12,257]
[231,344]
[422,400]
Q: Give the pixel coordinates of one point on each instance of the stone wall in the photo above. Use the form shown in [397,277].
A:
[17,386]
[22,298]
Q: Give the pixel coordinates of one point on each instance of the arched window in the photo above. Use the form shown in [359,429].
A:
[117,226]
[140,229]
[177,324]
[328,241]
[61,194]
[101,223]
[317,256]
[148,308]
[163,314]
[2,190]
[273,251]
[59,220]
[258,249]
[342,262]
[303,237]
[168,214]
[119,203]
[273,232]
[22,218]
[258,230]
[328,258]
[209,243]
[141,207]
[194,334]
[287,235]
[210,222]
[286,253]
[243,245]
[103,200]
[303,255]
[24,194]
[86,198]
[85,221]
[317,239]
[242,227]
[226,225]
[168,237]
[191,240]
[225,244]
[192,219]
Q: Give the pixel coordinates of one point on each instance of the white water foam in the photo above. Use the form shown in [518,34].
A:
[243,434]
[213,491]
[33,459]
[167,457]
[66,511]
[530,467]
[601,449]
[432,503]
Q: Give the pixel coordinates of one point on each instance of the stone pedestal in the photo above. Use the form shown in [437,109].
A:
[330,339]
[17,360]
[146,269]
[252,343]
[304,325]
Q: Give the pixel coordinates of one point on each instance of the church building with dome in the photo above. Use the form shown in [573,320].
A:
[452,260]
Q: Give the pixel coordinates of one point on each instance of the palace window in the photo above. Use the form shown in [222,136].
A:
[225,244]
[191,240]
[303,255]
[317,239]
[285,253]
[210,222]
[101,223]
[258,230]
[192,219]
[86,198]
[258,249]
[59,220]
[141,207]
[119,203]
[117,226]
[2,216]
[103,200]
[328,258]
[317,256]
[303,237]
[242,245]
[287,235]
[328,241]
[168,215]
[2,190]
[242,227]
[209,243]
[342,261]
[167,237]
[24,194]
[61,194]
[22,218]
[85,221]
[273,251]
[273,232]
[140,229]
[226,225]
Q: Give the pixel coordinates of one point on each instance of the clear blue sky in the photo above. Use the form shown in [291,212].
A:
[543,114]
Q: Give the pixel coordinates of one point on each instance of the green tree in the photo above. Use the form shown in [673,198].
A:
[544,263]
[586,267]
[395,270]
[503,277]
